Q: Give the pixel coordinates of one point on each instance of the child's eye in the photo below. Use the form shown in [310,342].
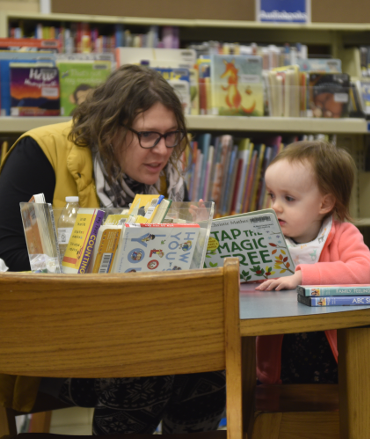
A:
[289,198]
[271,195]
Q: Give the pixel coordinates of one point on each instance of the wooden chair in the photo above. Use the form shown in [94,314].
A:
[138,324]
[4,150]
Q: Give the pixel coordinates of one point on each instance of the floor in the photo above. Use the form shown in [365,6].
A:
[75,420]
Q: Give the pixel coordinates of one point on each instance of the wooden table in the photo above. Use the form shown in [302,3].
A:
[267,313]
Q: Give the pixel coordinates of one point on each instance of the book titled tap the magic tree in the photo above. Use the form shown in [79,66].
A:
[256,239]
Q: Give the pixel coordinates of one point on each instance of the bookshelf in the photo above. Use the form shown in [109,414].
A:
[338,39]
[223,124]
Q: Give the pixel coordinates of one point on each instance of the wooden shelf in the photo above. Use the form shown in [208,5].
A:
[22,124]
[279,124]
[222,123]
[240,24]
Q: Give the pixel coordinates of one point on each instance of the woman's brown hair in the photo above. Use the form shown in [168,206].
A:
[128,91]
[334,169]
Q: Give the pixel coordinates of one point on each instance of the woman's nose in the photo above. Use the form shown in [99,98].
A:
[160,147]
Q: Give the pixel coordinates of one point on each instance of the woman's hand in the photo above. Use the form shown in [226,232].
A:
[198,212]
[283,283]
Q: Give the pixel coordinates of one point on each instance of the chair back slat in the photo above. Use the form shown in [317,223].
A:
[128,325]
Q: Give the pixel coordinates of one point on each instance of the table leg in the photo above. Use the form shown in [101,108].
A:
[354,382]
[249,382]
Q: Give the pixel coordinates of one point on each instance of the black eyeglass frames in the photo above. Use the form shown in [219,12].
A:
[149,139]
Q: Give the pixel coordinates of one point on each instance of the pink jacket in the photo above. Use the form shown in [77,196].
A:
[345,259]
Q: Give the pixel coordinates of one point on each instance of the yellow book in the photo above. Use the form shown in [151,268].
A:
[82,241]
[144,205]
[106,247]
[116,219]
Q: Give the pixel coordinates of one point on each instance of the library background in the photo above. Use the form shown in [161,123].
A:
[248,88]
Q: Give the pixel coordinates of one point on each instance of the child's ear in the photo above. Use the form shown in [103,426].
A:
[327,204]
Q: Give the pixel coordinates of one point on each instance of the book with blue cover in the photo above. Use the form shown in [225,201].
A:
[334,290]
[7,57]
[334,301]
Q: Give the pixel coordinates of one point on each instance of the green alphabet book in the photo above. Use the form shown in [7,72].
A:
[256,239]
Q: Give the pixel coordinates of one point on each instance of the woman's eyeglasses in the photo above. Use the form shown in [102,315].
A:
[149,139]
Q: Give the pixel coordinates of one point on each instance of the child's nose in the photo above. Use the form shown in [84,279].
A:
[276,206]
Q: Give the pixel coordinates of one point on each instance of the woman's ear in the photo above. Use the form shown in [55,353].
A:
[327,204]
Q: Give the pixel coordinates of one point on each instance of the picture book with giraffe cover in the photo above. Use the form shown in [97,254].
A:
[156,247]
[256,239]
[237,85]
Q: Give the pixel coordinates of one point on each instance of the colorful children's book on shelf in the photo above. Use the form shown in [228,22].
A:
[329,94]
[77,79]
[156,247]
[34,90]
[8,57]
[237,88]
[334,290]
[30,44]
[82,241]
[334,301]
[41,236]
[319,65]
[256,239]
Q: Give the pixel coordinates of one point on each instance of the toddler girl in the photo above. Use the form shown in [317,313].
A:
[310,185]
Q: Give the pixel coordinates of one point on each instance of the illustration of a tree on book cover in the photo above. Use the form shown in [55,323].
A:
[256,241]
[237,85]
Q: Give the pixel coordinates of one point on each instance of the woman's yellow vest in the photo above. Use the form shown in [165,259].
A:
[73,169]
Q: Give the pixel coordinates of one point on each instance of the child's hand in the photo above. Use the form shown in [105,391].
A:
[198,212]
[283,283]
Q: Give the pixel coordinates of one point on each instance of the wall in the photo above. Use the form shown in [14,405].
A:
[325,11]
[20,5]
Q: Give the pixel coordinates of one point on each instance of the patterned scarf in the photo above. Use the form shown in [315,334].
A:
[122,191]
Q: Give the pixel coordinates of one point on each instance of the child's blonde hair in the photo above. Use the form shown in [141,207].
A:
[334,169]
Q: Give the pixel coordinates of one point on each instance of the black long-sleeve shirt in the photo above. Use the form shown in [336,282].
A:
[26,172]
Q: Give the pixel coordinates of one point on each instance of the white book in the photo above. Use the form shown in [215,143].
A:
[156,247]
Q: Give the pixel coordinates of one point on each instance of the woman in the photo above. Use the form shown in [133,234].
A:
[126,138]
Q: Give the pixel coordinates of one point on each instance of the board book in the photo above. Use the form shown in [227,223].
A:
[236,84]
[77,79]
[334,301]
[34,91]
[82,241]
[148,208]
[156,247]
[255,238]
[329,94]
[334,290]
[105,248]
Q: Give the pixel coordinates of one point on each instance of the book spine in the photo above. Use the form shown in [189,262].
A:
[334,290]
[91,242]
[334,301]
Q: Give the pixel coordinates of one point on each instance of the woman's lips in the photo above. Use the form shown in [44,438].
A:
[153,167]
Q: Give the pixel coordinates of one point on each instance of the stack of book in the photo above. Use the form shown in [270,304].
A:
[333,295]
[137,239]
